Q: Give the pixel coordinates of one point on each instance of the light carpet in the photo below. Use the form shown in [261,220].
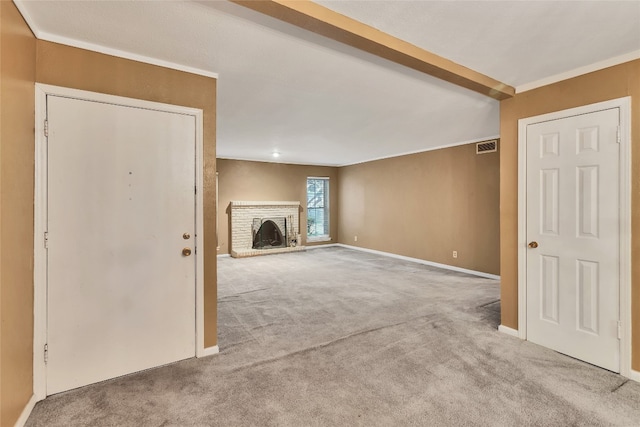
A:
[337,337]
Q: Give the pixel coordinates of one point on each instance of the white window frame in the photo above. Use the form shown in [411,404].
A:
[320,237]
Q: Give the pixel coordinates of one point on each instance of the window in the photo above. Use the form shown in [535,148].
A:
[317,209]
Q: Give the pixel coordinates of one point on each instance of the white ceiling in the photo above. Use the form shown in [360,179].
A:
[516,42]
[317,101]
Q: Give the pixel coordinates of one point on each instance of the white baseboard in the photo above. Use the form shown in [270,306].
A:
[223,255]
[509,331]
[24,416]
[328,245]
[421,261]
[209,351]
[634,375]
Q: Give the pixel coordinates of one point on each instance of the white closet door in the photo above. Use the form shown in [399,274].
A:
[573,277]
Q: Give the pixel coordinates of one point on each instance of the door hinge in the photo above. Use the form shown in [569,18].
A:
[46,353]
[619,330]
[46,128]
[195,189]
[46,240]
[618,136]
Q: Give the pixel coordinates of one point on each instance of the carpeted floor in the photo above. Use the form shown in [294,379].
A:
[335,337]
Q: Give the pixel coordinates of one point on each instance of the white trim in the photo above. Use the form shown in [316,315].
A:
[423,150]
[26,412]
[43,35]
[224,255]
[509,331]
[318,239]
[421,261]
[217,207]
[209,351]
[126,55]
[624,104]
[27,17]
[625,235]
[634,375]
[281,161]
[579,71]
[198,238]
[522,230]
[65,92]
[40,215]
[337,165]
[39,251]
[329,245]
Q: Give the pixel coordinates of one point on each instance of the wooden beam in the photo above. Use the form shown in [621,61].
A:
[320,20]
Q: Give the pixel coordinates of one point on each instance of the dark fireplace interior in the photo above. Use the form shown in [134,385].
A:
[267,233]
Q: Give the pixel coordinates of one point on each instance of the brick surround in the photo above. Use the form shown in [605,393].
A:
[244,212]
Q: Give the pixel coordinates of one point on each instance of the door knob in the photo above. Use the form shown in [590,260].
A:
[186,251]
[533,245]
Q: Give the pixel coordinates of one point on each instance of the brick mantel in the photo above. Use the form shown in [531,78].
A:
[242,215]
[262,204]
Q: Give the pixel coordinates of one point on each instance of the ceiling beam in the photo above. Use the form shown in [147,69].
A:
[320,20]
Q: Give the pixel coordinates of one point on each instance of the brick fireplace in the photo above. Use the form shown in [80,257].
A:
[246,216]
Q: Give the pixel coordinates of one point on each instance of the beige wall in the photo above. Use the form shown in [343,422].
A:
[17,76]
[425,206]
[261,181]
[615,82]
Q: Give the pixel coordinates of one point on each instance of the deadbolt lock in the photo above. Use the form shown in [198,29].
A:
[186,251]
[533,245]
[186,236]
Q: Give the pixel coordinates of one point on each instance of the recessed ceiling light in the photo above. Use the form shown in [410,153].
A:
[276,154]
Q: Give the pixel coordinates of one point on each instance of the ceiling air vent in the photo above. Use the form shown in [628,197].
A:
[487,146]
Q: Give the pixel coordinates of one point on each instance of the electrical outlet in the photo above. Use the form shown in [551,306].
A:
[455,254]
[355,238]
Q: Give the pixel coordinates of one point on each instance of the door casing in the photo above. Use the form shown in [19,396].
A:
[624,104]
[40,218]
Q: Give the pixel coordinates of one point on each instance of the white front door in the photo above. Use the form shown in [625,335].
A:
[573,277]
[121,208]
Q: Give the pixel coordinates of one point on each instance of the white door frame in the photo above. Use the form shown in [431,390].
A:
[40,219]
[624,104]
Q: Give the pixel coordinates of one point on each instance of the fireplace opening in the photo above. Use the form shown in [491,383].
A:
[268,233]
